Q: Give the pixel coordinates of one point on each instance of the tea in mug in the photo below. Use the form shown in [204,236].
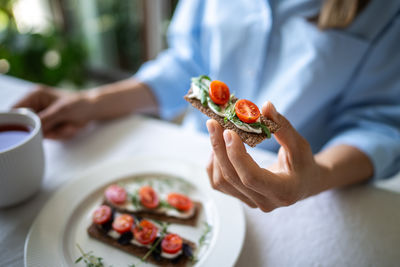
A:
[12,134]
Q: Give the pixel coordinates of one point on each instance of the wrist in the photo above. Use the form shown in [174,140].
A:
[90,100]
[323,177]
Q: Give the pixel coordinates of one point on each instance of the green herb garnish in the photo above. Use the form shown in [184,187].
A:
[204,98]
[165,204]
[135,200]
[155,244]
[204,77]
[203,240]
[263,128]
[204,237]
[89,259]
[215,106]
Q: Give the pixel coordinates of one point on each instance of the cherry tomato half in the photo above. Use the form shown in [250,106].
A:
[102,214]
[148,197]
[172,243]
[247,111]
[115,194]
[219,92]
[123,223]
[179,201]
[145,233]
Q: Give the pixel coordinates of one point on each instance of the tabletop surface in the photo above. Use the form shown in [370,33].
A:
[356,226]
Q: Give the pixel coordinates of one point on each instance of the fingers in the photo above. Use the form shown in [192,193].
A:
[63,132]
[219,149]
[247,169]
[52,116]
[219,183]
[287,136]
[50,110]
[37,100]
[30,101]
[226,168]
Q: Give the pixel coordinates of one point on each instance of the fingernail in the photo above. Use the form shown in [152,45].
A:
[210,127]
[273,112]
[227,137]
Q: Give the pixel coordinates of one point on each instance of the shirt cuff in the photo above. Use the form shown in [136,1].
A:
[162,77]
[382,150]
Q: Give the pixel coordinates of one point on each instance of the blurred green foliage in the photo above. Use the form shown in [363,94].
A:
[49,58]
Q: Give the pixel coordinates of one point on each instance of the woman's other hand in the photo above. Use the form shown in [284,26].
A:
[62,113]
[231,169]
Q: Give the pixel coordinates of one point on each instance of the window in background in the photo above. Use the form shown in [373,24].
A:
[80,43]
[34,48]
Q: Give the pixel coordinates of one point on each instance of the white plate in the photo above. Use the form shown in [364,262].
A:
[63,221]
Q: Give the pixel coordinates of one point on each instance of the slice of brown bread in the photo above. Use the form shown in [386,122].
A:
[252,139]
[156,215]
[99,234]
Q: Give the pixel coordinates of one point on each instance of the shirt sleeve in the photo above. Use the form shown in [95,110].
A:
[169,74]
[367,115]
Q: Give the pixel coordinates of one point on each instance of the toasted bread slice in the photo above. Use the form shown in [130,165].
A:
[252,139]
[100,234]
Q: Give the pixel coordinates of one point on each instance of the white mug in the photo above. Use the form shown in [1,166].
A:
[21,164]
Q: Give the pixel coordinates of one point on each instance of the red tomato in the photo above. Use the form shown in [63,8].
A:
[115,194]
[247,111]
[145,233]
[123,223]
[219,92]
[172,243]
[179,201]
[148,197]
[102,214]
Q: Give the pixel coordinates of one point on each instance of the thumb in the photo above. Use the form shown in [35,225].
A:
[287,136]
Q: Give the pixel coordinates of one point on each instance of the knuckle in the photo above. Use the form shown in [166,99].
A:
[248,181]
[284,123]
[215,144]
[251,205]
[266,208]
[209,168]
[41,89]
[236,156]
[219,183]
[213,185]
[304,145]
[287,199]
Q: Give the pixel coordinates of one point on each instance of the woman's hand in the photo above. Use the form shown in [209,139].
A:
[295,176]
[62,113]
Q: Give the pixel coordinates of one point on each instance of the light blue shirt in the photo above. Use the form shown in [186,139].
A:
[335,86]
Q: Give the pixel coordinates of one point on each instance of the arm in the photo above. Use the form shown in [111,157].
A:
[121,98]
[344,165]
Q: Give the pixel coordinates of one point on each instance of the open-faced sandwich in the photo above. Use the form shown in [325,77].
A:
[142,238]
[146,202]
[214,99]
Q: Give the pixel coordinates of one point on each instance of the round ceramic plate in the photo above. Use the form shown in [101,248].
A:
[62,223]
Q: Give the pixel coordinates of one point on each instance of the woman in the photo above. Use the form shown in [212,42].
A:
[330,68]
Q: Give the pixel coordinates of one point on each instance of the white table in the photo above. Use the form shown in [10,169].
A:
[358,226]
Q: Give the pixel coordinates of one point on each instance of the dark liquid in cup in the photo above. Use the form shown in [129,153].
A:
[12,134]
